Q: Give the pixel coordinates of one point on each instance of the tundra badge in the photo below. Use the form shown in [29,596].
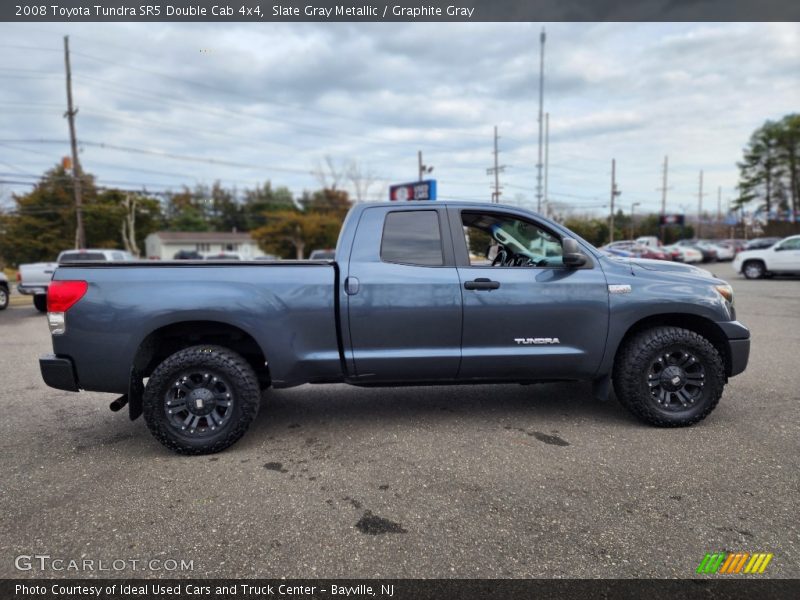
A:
[538,340]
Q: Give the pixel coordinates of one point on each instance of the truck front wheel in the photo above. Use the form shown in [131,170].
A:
[669,377]
[201,400]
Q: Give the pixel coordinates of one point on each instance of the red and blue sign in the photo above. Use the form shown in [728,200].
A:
[419,190]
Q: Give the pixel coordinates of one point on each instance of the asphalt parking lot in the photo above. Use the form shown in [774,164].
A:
[485,481]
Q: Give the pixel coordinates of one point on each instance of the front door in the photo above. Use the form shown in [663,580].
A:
[526,315]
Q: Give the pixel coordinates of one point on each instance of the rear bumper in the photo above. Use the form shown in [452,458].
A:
[738,346]
[58,372]
[32,290]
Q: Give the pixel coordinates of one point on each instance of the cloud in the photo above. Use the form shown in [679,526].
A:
[276,98]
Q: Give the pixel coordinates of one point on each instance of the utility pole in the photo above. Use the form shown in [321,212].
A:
[541,103]
[495,170]
[700,195]
[546,161]
[422,169]
[663,190]
[614,193]
[80,236]
[719,205]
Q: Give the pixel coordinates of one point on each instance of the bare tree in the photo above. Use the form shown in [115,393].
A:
[128,229]
[361,178]
[329,174]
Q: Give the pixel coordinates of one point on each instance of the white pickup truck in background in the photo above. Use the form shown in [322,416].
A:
[33,279]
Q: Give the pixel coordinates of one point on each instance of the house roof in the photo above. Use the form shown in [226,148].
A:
[203,236]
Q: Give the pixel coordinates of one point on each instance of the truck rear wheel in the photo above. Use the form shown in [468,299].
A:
[669,377]
[40,302]
[3,297]
[201,400]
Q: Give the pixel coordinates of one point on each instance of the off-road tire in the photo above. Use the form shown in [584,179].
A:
[40,302]
[215,360]
[754,269]
[632,372]
[3,297]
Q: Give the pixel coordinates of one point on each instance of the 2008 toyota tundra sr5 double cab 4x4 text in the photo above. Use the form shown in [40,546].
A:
[418,293]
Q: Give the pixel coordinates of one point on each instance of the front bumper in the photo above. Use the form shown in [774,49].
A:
[740,354]
[58,373]
[738,346]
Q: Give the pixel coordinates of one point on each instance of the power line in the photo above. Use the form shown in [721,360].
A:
[40,48]
[313,129]
[189,158]
[259,99]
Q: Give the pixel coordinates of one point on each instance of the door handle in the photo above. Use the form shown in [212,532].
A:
[481,283]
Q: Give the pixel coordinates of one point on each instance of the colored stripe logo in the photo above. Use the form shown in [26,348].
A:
[734,562]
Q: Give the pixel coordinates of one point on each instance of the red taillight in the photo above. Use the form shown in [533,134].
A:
[63,294]
[19,277]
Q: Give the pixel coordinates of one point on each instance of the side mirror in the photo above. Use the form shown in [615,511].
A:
[572,255]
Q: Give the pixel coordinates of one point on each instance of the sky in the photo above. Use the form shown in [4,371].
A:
[171,104]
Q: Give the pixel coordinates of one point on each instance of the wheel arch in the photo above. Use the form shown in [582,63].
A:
[700,325]
[756,259]
[168,339]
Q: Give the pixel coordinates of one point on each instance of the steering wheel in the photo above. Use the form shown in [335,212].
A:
[501,258]
[520,260]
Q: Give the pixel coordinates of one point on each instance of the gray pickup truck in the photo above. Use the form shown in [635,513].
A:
[419,293]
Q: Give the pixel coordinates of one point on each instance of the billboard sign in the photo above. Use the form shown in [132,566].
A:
[671,220]
[418,190]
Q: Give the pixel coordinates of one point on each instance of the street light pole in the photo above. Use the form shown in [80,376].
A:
[422,169]
[614,193]
[633,207]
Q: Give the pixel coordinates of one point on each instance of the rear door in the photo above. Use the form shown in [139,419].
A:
[403,296]
[526,315]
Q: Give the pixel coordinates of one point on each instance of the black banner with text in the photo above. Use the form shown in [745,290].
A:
[398,10]
[398,589]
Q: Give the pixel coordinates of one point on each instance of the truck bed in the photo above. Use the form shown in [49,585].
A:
[287,307]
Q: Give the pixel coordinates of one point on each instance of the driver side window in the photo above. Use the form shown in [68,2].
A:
[503,241]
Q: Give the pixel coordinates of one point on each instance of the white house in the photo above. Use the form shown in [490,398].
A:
[164,244]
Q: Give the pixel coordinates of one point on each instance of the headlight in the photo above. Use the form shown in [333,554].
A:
[726,291]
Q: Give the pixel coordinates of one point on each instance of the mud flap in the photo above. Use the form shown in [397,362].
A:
[135,394]
[601,388]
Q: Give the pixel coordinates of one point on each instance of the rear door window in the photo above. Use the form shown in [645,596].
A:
[412,238]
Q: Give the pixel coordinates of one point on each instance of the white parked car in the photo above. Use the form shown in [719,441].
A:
[724,251]
[782,257]
[650,241]
[688,254]
[4,291]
